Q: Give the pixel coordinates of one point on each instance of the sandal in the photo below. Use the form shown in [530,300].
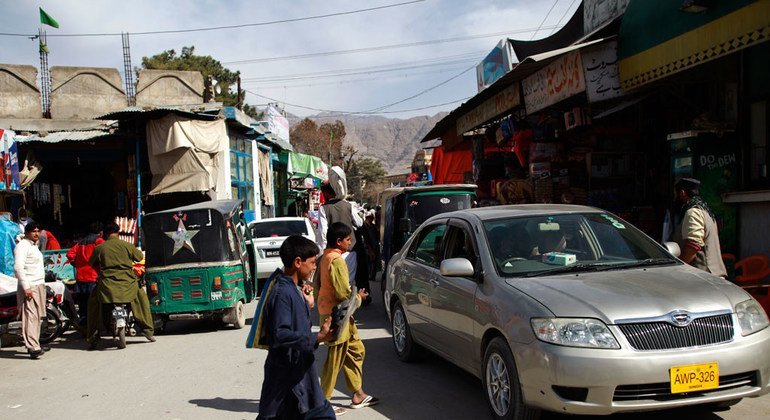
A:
[366,402]
[338,411]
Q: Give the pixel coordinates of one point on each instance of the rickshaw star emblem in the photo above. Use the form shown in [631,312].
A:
[182,238]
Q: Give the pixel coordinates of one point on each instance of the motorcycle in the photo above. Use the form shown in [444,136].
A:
[121,322]
[53,325]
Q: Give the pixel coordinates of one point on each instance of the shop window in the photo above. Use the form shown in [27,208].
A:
[234,165]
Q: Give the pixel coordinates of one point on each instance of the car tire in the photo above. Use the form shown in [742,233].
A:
[501,384]
[406,349]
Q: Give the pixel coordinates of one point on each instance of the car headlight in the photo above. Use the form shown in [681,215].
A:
[574,332]
[751,316]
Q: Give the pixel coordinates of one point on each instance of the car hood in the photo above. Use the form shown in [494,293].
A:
[634,293]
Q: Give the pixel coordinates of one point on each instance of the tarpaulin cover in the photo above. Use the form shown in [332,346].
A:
[185,154]
[265,177]
[8,233]
[449,167]
[301,165]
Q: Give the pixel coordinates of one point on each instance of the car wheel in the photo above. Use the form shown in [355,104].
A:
[501,382]
[406,349]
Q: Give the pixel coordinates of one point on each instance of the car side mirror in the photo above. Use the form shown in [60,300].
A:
[405,225]
[456,267]
[673,248]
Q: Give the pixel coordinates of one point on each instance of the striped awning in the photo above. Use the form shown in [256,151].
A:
[731,28]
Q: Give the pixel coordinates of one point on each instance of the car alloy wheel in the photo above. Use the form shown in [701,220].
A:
[399,330]
[406,349]
[502,383]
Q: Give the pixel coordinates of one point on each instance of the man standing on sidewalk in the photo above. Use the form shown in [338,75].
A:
[28,266]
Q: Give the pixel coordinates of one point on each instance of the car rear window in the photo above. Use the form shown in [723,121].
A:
[279,228]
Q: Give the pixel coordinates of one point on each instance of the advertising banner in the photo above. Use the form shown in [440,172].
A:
[10,159]
[601,72]
[494,66]
[557,81]
[277,123]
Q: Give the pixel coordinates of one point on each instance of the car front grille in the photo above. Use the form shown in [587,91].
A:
[662,391]
[661,335]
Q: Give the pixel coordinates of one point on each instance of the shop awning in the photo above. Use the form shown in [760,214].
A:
[498,99]
[153,113]
[62,136]
[300,165]
[657,39]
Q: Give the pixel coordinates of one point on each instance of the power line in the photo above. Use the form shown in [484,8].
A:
[380,47]
[429,62]
[306,76]
[563,16]
[341,113]
[298,83]
[217,28]
[544,19]
[374,110]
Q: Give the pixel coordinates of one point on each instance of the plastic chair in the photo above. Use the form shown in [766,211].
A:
[752,268]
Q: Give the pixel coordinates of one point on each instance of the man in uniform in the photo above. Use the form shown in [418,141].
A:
[697,233]
[117,283]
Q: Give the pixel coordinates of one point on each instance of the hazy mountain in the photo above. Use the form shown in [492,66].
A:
[391,140]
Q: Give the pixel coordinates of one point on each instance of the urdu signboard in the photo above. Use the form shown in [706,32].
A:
[559,80]
[503,101]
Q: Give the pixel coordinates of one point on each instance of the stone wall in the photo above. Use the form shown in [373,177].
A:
[19,94]
[85,92]
[168,88]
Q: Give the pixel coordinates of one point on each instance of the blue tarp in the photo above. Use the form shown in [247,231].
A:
[8,233]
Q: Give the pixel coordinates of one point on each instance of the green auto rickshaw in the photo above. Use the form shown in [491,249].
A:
[405,208]
[198,263]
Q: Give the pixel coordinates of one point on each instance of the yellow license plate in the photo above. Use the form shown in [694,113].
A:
[694,378]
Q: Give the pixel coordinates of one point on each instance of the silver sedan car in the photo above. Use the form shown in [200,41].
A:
[572,309]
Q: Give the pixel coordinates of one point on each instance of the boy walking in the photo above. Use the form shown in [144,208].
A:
[346,351]
[291,389]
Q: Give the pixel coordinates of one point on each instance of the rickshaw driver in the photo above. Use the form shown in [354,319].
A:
[117,283]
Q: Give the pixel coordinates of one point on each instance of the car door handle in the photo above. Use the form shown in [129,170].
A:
[435,283]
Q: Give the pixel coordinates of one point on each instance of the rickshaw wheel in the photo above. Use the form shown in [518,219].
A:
[239,315]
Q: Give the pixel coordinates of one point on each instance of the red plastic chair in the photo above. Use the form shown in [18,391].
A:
[752,268]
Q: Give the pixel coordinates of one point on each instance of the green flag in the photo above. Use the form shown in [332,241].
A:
[46,19]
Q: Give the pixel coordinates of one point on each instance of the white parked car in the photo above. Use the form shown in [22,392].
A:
[268,235]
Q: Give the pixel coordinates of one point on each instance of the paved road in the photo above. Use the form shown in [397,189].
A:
[197,372]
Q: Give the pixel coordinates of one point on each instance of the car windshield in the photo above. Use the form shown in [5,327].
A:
[424,206]
[268,229]
[558,243]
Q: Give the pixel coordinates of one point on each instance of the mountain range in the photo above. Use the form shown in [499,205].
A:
[393,141]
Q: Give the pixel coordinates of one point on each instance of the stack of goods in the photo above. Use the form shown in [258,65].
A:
[127,229]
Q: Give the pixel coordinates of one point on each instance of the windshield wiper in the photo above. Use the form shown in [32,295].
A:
[568,269]
[647,262]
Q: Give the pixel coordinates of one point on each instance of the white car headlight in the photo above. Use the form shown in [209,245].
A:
[751,316]
[574,332]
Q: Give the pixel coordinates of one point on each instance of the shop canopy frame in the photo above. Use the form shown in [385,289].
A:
[525,68]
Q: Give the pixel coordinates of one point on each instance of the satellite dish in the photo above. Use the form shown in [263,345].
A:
[217,87]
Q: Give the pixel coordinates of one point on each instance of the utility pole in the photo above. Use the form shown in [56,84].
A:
[331,138]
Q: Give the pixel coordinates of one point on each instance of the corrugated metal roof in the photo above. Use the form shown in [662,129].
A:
[61,136]
[134,112]
[272,138]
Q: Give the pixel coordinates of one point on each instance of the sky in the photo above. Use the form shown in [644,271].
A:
[304,64]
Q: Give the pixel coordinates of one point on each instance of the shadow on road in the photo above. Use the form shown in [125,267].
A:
[238,405]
